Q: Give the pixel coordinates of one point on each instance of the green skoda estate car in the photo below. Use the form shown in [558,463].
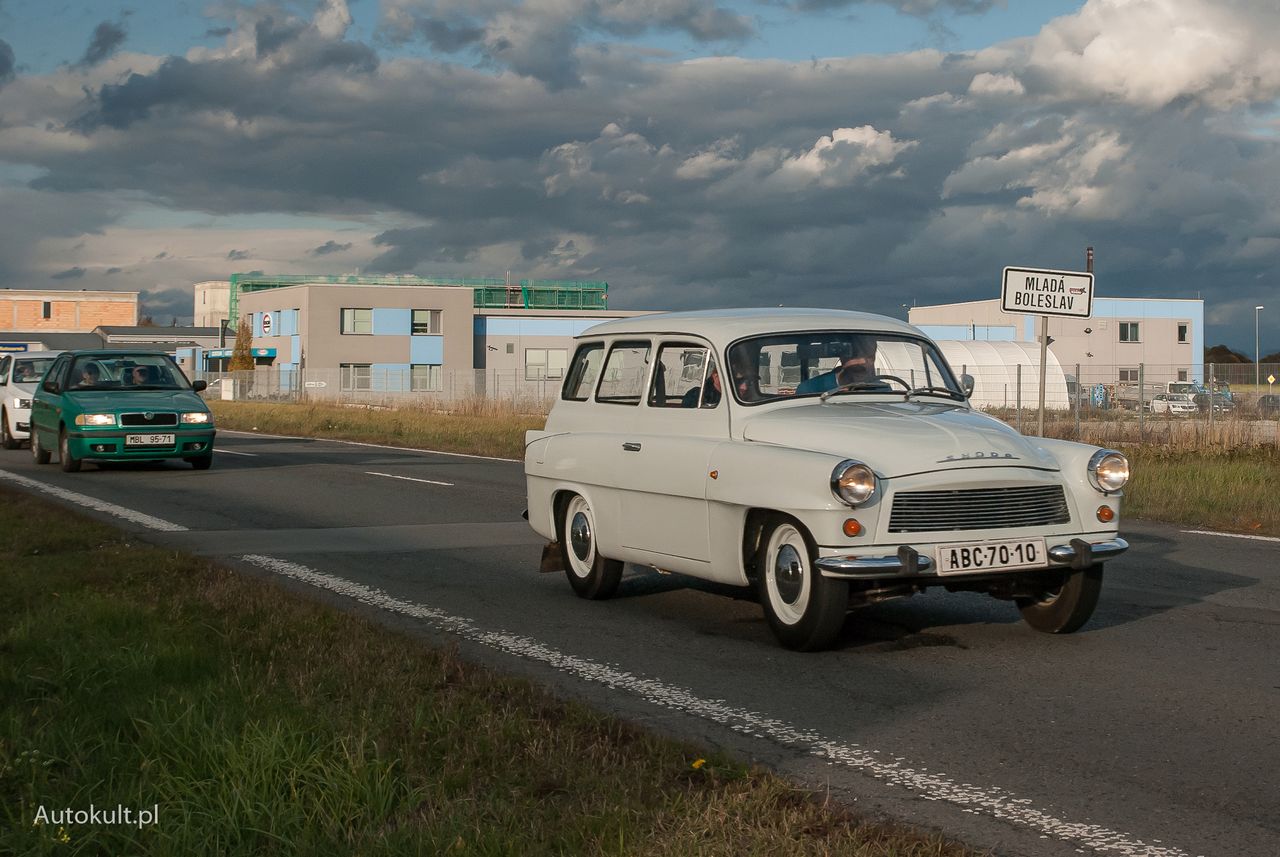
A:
[119,406]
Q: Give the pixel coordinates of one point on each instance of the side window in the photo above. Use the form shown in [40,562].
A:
[582,376]
[683,378]
[4,371]
[56,373]
[624,374]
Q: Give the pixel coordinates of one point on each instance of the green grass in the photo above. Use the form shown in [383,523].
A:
[260,722]
[1232,490]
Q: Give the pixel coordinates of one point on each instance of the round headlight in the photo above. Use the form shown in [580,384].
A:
[853,482]
[1108,470]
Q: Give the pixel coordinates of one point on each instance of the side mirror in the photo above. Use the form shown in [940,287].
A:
[966,384]
[200,386]
[50,386]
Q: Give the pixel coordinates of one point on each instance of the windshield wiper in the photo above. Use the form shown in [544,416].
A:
[935,391]
[878,386]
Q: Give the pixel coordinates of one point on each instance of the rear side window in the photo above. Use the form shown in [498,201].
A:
[583,372]
[624,375]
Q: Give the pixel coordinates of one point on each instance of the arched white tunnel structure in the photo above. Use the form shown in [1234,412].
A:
[994,367]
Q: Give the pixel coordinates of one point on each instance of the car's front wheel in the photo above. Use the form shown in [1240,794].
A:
[1065,608]
[38,452]
[201,462]
[70,464]
[804,609]
[7,440]
[590,574]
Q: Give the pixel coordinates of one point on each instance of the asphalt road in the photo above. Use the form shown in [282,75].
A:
[1154,731]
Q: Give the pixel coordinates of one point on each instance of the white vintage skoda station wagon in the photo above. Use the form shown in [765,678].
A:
[829,459]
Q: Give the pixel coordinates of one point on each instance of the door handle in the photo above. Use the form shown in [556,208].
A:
[631,447]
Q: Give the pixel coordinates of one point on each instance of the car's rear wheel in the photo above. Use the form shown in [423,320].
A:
[38,452]
[70,464]
[804,609]
[7,440]
[202,462]
[590,574]
[1065,608]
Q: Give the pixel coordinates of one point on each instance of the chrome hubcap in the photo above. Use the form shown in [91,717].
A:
[788,571]
[580,536]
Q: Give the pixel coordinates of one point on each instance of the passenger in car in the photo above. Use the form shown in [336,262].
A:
[89,375]
[857,367]
[709,399]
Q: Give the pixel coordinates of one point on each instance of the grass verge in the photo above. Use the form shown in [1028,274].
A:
[1221,480]
[256,721]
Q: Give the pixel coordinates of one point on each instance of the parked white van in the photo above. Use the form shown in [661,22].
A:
[20,373]
[829,459]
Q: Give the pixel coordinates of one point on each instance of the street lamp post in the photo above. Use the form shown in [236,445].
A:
[1257,354]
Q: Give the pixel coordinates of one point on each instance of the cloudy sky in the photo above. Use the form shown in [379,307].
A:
[845,153]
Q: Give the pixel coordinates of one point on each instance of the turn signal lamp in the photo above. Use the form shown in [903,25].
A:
[1106,514]
[852,528]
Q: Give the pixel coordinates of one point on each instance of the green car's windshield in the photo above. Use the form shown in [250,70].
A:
[839,362]
[126,372]
[28,370]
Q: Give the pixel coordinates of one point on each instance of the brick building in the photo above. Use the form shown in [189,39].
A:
[53,311]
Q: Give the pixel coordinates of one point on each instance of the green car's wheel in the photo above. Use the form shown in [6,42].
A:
[203,462]
[38,452]
[70,464]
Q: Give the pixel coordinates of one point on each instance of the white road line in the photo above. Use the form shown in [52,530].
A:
[989,801]
[233,452]
[1232,535]
[148,521]
[408,478]
[371,445]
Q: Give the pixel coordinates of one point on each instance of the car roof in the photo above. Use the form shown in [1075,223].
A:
[117,352]
[22,355]
[722,326]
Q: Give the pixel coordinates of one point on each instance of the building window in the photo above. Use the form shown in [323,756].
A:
[1129,331]
[540,363]
[1182,374]
[511,348]
[46,309]
[1128,376]
[426,322]
[425,378]
[356,376]
[1183,331]
[357,321]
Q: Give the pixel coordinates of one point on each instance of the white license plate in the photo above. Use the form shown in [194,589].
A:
[148,440]
[972,557]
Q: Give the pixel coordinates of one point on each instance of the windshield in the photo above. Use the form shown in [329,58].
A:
[793,365]
[126,372]
[30,370]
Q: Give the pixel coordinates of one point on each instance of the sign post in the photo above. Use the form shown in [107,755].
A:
[1037,291]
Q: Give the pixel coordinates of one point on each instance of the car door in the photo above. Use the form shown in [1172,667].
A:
[46,404]
[665,454]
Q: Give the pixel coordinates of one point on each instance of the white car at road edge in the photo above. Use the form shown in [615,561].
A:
[20,373]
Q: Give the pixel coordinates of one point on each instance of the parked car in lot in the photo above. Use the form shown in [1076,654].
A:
[1174,403]
[20,374]
[828,459]
[1269,406]
[1220,403]
[119,406]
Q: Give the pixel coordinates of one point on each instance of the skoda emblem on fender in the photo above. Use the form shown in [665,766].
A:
[966,456]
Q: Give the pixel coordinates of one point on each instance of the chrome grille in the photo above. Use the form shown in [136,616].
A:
[149,418]
[978,509]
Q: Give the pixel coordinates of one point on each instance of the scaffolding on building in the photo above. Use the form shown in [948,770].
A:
[489,293]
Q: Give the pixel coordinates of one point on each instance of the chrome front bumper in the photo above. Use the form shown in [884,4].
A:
[909,562]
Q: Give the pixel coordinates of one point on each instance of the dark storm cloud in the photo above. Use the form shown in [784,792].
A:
[447,37]
[107,39]
[69,274]
[237,255]
[6,63]
[166,304]
[330,246]
[217,33]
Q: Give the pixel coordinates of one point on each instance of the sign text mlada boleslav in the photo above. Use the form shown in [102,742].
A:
[1041,292]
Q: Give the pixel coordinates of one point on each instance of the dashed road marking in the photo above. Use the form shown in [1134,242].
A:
[1233,535]
[407,478]
[990,801]
[233,452]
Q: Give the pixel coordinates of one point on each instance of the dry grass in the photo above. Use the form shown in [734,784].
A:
[262,722]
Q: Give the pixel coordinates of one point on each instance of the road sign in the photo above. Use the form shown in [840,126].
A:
[266,324]
[1271,379]
[1040,292]
[315,384]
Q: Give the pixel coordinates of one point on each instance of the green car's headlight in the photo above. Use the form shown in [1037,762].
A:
[98,420]
[1108,470]
[197,417]
[853,482]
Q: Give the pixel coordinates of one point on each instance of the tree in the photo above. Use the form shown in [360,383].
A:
[1223,354]
[146,321]
[242,354]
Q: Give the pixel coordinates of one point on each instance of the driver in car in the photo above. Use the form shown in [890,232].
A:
[857,367]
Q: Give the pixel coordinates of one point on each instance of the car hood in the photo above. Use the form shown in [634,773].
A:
[106,401]
[899,438]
